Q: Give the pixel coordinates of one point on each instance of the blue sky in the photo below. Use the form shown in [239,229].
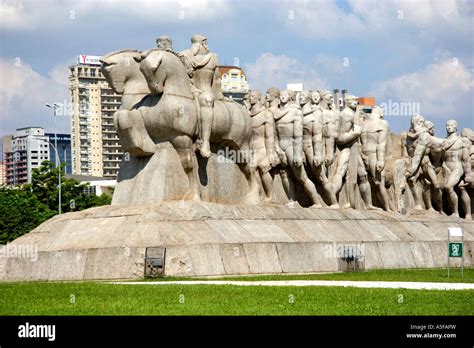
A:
[417,51]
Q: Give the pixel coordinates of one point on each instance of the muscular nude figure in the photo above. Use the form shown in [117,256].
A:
[313,137]
[330,125]
[289,124]
[426,149]
[349,133]
[373,147]
[262,144]
[455,156]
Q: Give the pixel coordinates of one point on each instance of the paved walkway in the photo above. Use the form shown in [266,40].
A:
[345,283]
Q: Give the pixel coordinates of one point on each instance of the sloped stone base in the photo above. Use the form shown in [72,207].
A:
[210,239]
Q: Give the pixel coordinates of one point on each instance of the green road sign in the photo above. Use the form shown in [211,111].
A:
[455,249]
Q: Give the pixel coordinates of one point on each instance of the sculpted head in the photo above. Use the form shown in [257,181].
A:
[417,123]
[285,96]
[245,99]
[272,94]
[451,126]
[164,43]
[377,113]
[304,97]
[351,101]
[468,133]
[315,97]
[199,44]
[254,97]
[430,126]
[292,94]
[120,66]
[327,98]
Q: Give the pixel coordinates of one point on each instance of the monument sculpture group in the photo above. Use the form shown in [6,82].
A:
[213,187]
[322,155]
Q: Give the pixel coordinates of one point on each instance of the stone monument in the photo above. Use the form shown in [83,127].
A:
[285,183]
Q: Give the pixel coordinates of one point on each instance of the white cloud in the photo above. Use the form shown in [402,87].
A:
[321,19]
[12,15]
[21,15]
[23,94]
[444,89]
[59,74]
[326,19]
[278,70]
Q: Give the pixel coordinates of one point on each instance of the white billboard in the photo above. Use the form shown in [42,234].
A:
[297,87]
[89,60]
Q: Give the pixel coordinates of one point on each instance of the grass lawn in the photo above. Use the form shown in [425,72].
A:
[403,275]
[110,299]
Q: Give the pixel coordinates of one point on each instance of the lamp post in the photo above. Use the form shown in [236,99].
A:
[57,161]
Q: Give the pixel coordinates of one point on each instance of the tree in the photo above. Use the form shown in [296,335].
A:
[22,208]
[44,185]
[20,212]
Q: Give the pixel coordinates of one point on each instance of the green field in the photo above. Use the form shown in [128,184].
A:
[402,275]
[111,299]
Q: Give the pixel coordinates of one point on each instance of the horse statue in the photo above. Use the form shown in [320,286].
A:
[168,113]
[124,76]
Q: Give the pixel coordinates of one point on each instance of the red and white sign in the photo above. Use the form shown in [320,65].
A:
[88,60]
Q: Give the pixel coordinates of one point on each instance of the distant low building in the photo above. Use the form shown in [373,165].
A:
[97,185]
[234,83]
[27,149]
[64,149]
[2,173]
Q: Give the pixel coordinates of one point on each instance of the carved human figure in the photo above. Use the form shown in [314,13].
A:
[468,137]
[373,141]
[245,100]
[454,156]
[272,102]
[413,171]
[164,43]
[467,184]
[348,135]
[202,67]
[289,124]
[262,143]
[330,126]
[431,166]
[312,136]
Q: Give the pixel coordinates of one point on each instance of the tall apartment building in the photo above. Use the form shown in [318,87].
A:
[95,147]
[25,152]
